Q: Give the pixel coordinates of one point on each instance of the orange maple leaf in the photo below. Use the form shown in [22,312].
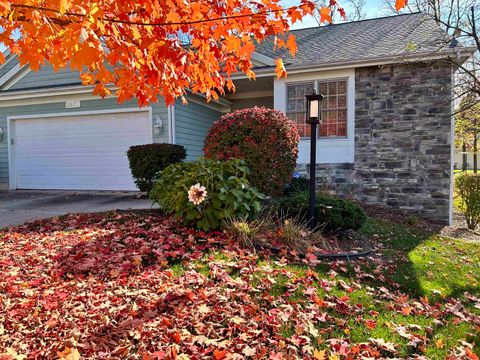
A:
[69,354]
[292,45]
[319,354]
[64,5]
[219,354]
[325,15]
[400,4]
[280,69]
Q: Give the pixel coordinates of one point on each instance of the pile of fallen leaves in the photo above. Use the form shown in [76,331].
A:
[135,285]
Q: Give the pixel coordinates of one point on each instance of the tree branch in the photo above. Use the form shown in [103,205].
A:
[139,23]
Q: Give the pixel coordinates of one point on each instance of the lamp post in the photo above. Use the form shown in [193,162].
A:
[313,118]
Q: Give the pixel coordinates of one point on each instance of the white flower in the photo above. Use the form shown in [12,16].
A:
[197,194]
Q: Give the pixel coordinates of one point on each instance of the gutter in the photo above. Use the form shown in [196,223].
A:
[44,92]
[221,104]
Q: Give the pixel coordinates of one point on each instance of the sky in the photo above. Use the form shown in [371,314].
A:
[372,8]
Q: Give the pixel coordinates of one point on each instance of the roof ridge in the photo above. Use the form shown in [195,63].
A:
[359,21]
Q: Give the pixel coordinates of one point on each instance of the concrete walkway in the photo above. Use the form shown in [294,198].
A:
[19,206]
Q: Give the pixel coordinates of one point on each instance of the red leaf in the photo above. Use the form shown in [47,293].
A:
[219,354]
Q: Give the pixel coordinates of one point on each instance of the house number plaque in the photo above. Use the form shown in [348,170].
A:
[72,104]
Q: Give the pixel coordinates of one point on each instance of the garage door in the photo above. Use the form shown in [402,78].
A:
[82,152]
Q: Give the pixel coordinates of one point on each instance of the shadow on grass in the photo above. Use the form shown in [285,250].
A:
[424,263]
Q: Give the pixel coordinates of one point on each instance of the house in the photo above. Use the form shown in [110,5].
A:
[466,159]
[386,136]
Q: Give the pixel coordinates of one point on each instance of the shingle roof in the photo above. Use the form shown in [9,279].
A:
[363,40]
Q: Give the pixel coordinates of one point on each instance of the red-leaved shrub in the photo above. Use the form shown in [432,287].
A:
[265,138]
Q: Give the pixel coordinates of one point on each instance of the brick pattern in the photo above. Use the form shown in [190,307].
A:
[333,178]
[402,140]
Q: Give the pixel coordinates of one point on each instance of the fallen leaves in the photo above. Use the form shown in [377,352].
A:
[138,286]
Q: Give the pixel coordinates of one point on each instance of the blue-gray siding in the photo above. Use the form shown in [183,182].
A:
[46,76]
[8,66]
[249,103]
[192,122]
[158,109]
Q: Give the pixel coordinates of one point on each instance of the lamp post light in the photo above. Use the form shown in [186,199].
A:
[313,118]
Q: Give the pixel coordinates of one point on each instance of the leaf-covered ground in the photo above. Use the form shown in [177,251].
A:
[135,285]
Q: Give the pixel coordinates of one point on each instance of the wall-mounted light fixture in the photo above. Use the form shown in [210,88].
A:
[1,134]
[157,125]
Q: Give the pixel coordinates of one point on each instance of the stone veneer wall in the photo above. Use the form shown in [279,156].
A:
[402,140]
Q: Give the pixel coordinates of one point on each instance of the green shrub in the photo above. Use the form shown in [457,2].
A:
[293,206]
[228,192]
[332,213]
[266,139]
[147,160]
[297,184]
[468,187]
[339,214]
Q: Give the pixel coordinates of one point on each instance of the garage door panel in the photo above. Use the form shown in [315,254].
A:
[78,152]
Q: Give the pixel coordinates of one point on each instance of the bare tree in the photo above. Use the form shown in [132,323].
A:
[358,10]
[461,21]
[354,11]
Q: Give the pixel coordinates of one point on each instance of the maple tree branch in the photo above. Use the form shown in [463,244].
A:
[139,23]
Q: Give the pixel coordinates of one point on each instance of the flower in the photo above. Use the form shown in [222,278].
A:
[197,194]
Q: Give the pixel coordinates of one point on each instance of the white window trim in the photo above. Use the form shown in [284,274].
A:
[329,150]
[316,87]
[11,129]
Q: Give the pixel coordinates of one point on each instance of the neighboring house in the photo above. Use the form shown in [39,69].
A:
[458,159]
[386,136]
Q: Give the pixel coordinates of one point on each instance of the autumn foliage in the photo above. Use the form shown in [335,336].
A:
[265,138]
[150,48]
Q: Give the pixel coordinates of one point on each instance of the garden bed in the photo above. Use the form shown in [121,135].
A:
[136,285]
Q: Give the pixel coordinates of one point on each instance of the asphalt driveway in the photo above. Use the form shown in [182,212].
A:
[19,206]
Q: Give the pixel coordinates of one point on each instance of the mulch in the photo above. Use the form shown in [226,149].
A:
[458,229]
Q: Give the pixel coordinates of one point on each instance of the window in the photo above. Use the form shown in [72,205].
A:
[334,107]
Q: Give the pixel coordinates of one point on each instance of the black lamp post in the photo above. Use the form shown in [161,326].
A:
[313,118]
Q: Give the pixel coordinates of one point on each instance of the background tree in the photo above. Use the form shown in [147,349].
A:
[358,11]
[461,20]
[468,127]
[354,11]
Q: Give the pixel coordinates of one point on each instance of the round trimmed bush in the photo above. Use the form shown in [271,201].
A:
[266,139]
[147,160]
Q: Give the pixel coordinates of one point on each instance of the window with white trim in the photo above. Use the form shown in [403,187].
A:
[333,108]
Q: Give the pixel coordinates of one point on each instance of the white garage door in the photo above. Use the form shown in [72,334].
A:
[82,152]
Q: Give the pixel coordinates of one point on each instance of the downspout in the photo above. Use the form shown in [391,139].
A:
[171,124]
[452,147]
